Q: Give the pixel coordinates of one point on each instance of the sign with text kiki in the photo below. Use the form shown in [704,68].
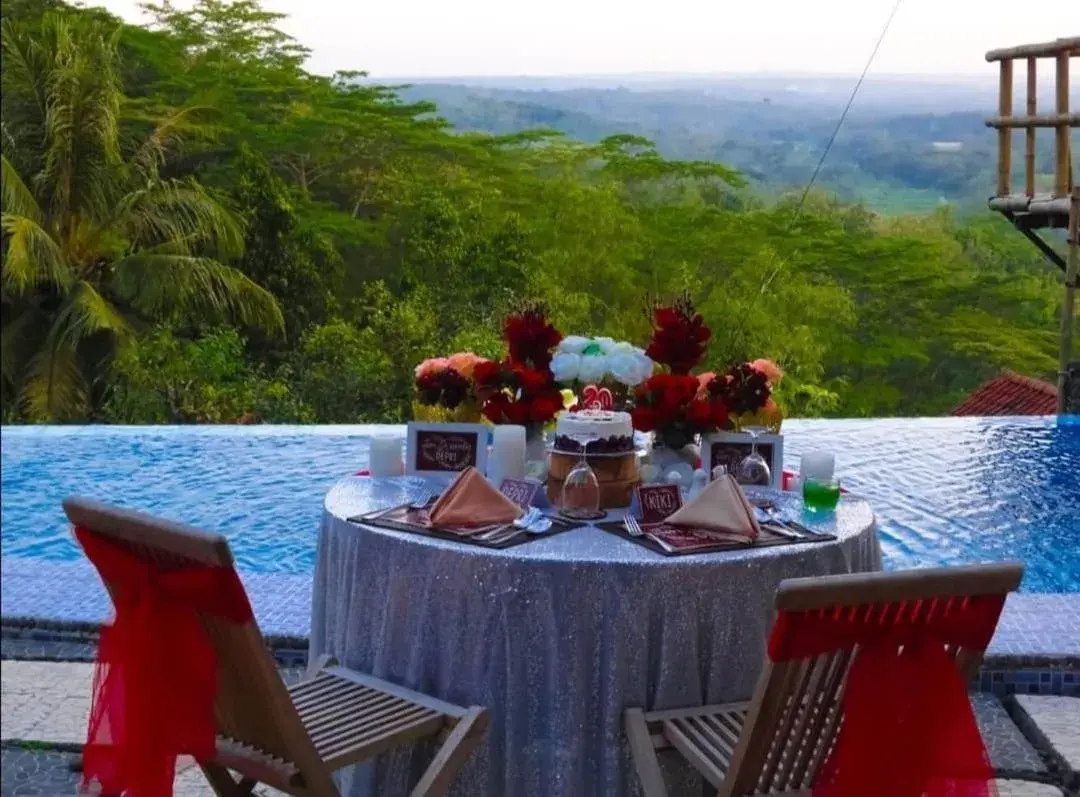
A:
[446,447]
[657,501]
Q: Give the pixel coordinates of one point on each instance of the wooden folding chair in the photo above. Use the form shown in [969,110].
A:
[289,738]
[776,743]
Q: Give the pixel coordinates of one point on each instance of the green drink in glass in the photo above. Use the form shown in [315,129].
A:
[821,496]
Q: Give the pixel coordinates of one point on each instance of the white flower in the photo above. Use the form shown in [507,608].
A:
[565,366]
[625,368]
[622,347]
[642,369]
[607,345]
[593,369]
[573,344]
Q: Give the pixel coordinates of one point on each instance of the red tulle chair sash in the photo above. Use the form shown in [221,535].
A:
[155,680]
[908,728]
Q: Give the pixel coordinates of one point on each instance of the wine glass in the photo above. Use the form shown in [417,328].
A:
[581,489]
[754,470]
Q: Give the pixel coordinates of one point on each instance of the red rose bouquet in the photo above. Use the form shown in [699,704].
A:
[522,389]
[672,405]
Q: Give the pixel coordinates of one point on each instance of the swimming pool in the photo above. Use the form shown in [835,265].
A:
[946,490]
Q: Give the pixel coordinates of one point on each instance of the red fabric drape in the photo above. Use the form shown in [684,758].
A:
[156,675]
[908,728]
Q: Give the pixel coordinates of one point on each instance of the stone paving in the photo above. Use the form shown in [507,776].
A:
[1054,723]
[44,706]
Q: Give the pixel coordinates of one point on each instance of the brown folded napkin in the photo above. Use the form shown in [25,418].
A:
[472,501]
[721,506]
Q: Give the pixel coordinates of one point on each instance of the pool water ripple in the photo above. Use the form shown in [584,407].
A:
[945,490]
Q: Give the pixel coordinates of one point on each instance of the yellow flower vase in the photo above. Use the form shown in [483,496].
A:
[770,420]
[466,412]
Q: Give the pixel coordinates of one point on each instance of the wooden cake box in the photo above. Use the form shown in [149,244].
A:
[617,476]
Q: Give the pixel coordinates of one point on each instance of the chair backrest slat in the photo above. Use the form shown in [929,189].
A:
[253,706]
[796,712]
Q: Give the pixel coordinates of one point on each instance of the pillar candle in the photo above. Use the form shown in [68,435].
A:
[507,458]
[385,456]
[817,465]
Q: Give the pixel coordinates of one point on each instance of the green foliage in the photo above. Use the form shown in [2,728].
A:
[196,194]
[169,379]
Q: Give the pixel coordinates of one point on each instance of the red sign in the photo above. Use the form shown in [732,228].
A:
[445,451]
[658,501]
[520,491]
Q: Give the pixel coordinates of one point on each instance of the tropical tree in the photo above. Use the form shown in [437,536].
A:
[98,239]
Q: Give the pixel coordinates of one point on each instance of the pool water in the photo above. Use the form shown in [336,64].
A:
[945,490]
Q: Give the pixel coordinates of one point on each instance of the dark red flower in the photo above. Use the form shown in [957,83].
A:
[679,336]
[445,388]
[644,418]
[530,380]
[488,374]
[699,414]
[742,388]
[530,337]
[546,406]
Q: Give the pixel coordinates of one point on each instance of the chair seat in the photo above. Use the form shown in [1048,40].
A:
[706,735]
[348,720]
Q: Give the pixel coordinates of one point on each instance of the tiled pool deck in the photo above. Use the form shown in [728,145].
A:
[1036,648]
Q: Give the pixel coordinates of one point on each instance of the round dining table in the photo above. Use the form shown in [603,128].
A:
[556,637]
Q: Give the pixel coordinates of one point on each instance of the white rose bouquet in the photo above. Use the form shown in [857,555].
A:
[592,361]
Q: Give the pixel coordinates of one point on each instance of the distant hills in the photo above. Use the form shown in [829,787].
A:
[908,144]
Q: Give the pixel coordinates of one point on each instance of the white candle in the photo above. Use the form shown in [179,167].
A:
[384,456]
[818,466]
[507,458]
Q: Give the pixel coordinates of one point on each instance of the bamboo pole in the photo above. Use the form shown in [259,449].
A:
[1068,307]
[1029,137]
[1062,178]
[1005,133]
[1042,50]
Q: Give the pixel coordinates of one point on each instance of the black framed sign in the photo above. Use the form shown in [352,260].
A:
[445,448]
[731,448]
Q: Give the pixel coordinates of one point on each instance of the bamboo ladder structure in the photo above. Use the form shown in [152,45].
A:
[1030,211]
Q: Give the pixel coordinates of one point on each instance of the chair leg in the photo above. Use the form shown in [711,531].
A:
[223,784]
[463,739]
[643,752]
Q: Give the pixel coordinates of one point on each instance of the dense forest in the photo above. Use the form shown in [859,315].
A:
[890,159]
[197,229]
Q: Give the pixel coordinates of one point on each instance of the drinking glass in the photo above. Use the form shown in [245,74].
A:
[821,495]
[754,470]
[581,489]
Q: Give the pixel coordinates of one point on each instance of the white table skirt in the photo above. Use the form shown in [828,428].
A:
[556,637]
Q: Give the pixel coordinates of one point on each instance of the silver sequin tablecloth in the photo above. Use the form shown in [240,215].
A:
[556,636]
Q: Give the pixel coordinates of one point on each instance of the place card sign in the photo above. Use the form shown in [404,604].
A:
[446,448]
[657,501]
[731,448]
[520,491]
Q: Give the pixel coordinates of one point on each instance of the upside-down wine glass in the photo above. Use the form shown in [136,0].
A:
[581,489]
[754,470]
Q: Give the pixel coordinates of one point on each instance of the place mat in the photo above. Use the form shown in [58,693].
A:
[414,521]
[768,538]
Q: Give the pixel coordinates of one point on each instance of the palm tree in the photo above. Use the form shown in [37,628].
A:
[97,243]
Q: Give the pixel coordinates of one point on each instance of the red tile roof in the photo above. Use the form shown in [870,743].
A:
[1010,394]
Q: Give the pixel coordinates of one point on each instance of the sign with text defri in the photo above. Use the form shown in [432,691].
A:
[446,447]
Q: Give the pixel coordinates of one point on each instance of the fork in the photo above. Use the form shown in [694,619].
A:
[632,527]
[421,500]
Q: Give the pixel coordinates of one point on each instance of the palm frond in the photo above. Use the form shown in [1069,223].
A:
[54,388]
[32,258]
[168,135]
[17,198]
[86,312]
[82,121]
[159,285]
[25,66]
[181,214]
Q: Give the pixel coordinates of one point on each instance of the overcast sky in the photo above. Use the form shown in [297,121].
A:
[396,38]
